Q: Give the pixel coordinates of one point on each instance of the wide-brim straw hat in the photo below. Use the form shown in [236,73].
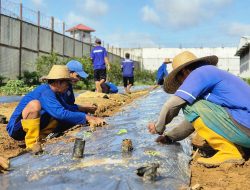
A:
[58,72]
[167,60]
[181,61]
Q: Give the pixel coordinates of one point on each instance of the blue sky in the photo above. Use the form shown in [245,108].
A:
[155,23]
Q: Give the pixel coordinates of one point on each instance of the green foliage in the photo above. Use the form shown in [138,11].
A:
[87,83]
[15,87]
[247,80]
[30,78]
[115,74]
[45,62]
[144,77]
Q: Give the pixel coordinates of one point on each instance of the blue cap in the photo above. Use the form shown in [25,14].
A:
[77,67]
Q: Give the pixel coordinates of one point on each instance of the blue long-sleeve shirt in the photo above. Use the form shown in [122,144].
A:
[162,72]
[68,99]
[50,104]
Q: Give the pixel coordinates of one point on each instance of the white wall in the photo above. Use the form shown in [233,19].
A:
[82,36]
[152,58]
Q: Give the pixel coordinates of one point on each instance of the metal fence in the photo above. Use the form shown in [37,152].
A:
[26,34]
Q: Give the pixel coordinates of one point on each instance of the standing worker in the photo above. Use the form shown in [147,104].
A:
[215,104]
[162,72]
[127,66]
[100,62]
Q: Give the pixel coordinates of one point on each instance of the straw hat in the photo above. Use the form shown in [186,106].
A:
[167,60]
[58,72]
[180,61]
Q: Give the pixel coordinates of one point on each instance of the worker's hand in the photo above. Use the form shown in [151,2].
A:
[152,128]
[89,108]
[164,140]
[4,163]
[95,121]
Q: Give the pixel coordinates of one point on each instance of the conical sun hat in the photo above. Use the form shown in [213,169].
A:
[58,72]
[181,61]
[167,60]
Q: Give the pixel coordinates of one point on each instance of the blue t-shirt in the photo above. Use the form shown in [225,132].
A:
[162,72]
[127,66]
[51,105]
[98,54]
[220,87]
[112,87]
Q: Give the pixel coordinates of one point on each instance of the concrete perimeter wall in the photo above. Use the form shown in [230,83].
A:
[21,43]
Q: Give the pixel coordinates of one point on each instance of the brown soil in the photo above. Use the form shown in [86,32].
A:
[107,106]
[226,176]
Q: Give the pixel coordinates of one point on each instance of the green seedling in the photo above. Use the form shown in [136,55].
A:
[152,153]
[87,134]
[122,131]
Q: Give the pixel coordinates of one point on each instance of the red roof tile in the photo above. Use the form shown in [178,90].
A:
[80,27]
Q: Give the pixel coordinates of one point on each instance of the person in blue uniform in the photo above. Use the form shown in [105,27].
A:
[39,112]
[215,104]
[127,66]
[162,72]
[100,62]
[77,73]
[109,88]
[68,98]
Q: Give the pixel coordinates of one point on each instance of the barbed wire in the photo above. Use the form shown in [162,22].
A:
[29,15]
[12,9]
[45,21]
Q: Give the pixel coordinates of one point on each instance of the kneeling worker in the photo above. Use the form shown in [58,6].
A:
[39,111]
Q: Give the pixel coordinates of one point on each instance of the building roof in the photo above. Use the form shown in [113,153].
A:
[244,44]
[80,27]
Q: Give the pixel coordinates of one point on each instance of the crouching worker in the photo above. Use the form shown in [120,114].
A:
[77,73]
[39,112]
[109,88]
[215,104]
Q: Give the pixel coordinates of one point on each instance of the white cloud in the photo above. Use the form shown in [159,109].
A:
[38,3]
[180,14]
[131,39]
[73,19]
[149,15]
[88,13]
[95,7]
[239,29]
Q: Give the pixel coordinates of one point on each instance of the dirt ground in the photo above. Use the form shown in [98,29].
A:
[226,176]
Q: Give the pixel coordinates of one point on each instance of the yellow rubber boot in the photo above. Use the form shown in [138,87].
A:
[227,151]
[32,129]
[48,129]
